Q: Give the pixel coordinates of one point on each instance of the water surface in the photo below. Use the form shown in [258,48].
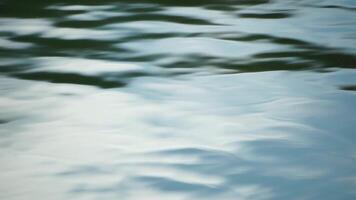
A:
[178,100]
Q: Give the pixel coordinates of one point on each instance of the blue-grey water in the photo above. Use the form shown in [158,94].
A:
[178,100]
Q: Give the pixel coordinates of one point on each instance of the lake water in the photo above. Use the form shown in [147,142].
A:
[178,100]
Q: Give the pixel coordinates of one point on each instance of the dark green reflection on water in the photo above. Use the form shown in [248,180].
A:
[168,99]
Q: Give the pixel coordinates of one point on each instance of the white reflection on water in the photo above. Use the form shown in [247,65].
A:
[84,66]
[8,44]
[24,26]
[210,47]
[81,7]
[75,33]
[170,135]
[119,100]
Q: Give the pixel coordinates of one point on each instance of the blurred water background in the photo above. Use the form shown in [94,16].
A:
[178,100]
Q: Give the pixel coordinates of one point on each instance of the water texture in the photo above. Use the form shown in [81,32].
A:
[178,100]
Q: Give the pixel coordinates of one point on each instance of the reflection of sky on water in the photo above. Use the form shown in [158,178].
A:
[149,100]
[183,138]
[210,47]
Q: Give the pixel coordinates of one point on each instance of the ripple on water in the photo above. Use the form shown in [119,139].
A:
[167,99]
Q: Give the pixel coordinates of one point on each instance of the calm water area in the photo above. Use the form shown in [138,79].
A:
[178,100]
